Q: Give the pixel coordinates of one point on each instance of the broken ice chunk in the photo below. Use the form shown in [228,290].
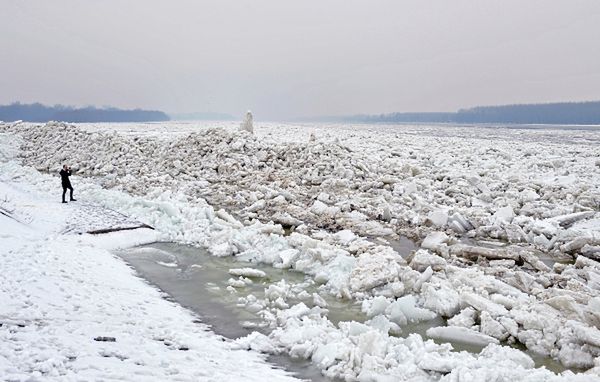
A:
[423,259]
[503,215]
[407,306]
[438,218]
[247,272]
[460,334]
[434,240]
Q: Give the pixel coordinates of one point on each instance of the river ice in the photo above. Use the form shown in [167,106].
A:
[489,206]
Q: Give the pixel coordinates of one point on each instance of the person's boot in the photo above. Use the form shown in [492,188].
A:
[73,200]
[64,201]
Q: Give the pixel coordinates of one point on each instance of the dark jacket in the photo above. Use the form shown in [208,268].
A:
[64,175]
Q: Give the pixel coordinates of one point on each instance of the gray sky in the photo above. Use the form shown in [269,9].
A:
[286,59]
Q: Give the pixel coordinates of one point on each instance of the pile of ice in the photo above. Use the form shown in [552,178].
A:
[372,351]
[246,124]
[488,294]
[542,198]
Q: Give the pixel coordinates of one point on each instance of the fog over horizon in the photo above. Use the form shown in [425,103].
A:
[285,60]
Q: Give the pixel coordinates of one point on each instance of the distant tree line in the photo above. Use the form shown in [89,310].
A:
[566,113]
[37,112]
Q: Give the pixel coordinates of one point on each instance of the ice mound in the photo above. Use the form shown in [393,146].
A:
[246,124]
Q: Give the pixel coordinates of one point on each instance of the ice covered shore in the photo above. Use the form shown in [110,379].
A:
[72,311]
[537,196]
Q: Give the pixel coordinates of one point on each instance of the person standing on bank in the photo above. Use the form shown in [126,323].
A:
[65,173]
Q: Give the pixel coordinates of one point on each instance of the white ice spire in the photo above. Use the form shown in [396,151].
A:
[246,124]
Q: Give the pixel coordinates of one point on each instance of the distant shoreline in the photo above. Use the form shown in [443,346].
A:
[561,113]
[37,112]
[550,114]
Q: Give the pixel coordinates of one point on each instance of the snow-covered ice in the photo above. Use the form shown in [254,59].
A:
[490,205]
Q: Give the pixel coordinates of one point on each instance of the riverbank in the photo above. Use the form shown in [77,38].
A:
[69,309]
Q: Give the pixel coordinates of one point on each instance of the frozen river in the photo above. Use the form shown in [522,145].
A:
[199,281]
[505,221]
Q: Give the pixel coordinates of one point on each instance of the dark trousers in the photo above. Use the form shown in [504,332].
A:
[65,187]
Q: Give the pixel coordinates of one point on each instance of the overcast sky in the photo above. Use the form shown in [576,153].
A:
[285,59]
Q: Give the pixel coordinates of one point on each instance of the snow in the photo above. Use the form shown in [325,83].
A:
[70,310]
[483,199]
